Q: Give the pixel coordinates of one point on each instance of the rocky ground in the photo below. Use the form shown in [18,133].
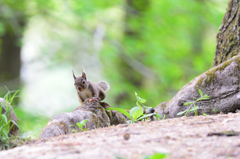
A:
[215,136]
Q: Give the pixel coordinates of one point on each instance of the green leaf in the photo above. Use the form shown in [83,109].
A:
[164,117]
[206,96]
[202,98]
[193,109]
[200,92]
[158,116]
[81,124]
[188,103]
[204,114]
[136,94]
[136,112]
[147,107]
[4,117]
[182,112]
[11,100]
[84,121]
[145,116]
[14,123]
[137,103]
[123,111]
[157,156]
[140,99]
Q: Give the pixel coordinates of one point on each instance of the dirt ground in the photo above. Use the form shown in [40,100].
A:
[203,137]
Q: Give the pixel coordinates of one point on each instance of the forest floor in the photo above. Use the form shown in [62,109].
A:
[213,136]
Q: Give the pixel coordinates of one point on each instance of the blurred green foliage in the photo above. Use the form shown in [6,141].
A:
[153,48]
[30,125]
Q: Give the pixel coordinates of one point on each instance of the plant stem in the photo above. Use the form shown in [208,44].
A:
[195,111]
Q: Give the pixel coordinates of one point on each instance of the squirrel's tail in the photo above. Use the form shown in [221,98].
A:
[104,85]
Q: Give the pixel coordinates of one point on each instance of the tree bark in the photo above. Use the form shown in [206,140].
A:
[133,29]
[10,62]
[229,34]
[13,19]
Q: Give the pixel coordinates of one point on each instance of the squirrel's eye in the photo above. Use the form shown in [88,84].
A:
[75,84]
[83,82]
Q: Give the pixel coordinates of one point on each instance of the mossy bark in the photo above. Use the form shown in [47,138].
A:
[94,111]
[221,83]
[229,34]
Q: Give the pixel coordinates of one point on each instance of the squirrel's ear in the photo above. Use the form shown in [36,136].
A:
[73,74]
[84,75]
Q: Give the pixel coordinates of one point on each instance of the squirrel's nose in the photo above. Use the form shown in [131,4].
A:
[79,88]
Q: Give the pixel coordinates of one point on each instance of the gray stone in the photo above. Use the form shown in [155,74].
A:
[94,111]
[221,83]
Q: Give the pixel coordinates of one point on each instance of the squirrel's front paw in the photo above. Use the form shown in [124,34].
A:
[94,98]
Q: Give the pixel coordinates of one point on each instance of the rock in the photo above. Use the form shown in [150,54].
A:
[221,83]
[10,116]
[94,111]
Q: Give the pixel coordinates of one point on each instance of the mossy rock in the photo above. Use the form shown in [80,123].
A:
[221,83]
[94,111]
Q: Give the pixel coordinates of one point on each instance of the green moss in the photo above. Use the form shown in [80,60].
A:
[163,105]
[94,119]
[211,74]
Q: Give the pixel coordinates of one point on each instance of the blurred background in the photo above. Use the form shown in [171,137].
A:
[153,47]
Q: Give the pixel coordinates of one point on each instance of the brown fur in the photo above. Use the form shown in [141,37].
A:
[88,89]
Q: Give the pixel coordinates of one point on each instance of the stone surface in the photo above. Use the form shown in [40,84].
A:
[94,111]
[181,138]
[221,83]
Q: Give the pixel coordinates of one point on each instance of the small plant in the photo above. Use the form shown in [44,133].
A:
[204,114]
[5,120]
[192,104]
[136,113]
[164,117]
[157,156]
[80,125]
[214,111]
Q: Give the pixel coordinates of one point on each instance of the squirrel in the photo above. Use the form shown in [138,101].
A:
[88,89]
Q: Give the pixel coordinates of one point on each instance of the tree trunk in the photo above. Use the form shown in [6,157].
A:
[10,52]
[221,82]
[229,34]
[10,62]
[133,30]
